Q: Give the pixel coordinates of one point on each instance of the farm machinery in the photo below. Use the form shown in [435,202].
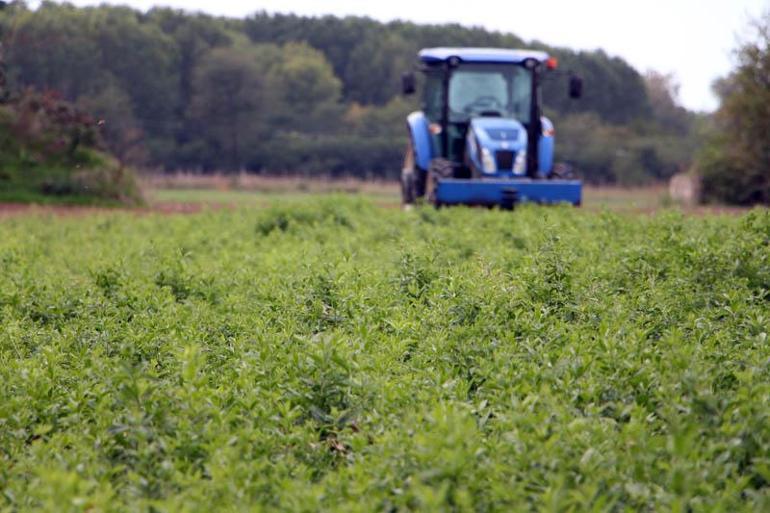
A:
[481,138]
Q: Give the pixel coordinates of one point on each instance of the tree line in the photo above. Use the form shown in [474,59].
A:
[734,161]
[278,93]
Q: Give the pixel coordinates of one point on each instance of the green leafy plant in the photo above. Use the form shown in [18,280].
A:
[339,356]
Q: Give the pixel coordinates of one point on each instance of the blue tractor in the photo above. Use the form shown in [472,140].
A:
[481,138]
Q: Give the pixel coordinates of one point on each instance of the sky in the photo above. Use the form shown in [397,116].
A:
[693,39]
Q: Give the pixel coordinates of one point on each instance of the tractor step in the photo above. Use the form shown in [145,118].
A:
[507,192]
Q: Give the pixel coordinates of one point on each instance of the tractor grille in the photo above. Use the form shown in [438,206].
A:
[503,134]
[504,160]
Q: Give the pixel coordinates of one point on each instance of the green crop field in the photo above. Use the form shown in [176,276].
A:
[332,354]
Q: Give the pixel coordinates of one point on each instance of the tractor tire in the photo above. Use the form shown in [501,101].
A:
[412,178]
[408,196]
[473,171]
[439,169]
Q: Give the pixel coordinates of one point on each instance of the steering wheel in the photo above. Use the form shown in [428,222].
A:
[487,102]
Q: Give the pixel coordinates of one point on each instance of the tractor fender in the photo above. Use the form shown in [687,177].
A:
[546,146]
[417,124]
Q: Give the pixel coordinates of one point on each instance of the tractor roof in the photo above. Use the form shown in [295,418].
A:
[485,55]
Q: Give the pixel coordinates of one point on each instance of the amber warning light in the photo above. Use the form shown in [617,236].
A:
[552,63]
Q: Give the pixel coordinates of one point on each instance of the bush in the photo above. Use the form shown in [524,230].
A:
[352,155]
[735,162]
[618,154]
[50,152]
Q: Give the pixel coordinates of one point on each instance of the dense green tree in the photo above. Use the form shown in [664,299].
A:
[613,89]
[374,121]
[144,61]
[307,91]
[82,52]
[735,162]
[335,37]
[230,97]
[193,35]
[119,126]
[375,67]
[291,93]
[663,93]
[54,48]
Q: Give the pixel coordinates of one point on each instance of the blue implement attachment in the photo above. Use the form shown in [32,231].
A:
[507,192]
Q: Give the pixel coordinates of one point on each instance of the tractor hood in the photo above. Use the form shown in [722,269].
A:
[502,140]
[500,133]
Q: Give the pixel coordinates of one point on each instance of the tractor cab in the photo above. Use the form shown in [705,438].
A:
[480,137]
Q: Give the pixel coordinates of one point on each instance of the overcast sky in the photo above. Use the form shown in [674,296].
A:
[693,39]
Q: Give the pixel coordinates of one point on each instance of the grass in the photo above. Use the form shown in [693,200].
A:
[256,190]
[266,192]
[245,188]
[627,199]
[224,197]
[334,355]
[32,197]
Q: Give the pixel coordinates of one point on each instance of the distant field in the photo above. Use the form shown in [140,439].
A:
[259,191]
[627,199]
[328,354]
[189,191]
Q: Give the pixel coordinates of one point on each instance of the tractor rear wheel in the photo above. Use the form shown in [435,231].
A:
[412,178]
[407,189]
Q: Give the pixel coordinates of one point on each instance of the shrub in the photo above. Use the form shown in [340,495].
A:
[735,162]
[49,151]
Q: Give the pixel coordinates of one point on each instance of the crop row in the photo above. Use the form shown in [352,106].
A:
[339,356]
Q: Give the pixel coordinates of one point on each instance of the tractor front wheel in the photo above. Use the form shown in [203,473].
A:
[439,169]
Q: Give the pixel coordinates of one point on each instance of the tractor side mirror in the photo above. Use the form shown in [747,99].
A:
[408,83]
[575,87]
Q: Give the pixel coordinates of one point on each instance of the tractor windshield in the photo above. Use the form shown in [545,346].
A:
[481,89]
[490,90]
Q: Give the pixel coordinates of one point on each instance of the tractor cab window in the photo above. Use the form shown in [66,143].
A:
[489,90]
[433,96]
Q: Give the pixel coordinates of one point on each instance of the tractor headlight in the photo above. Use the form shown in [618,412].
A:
[487,161]
[520,165]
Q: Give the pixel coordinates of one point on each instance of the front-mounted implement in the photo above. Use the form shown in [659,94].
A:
[481,138]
